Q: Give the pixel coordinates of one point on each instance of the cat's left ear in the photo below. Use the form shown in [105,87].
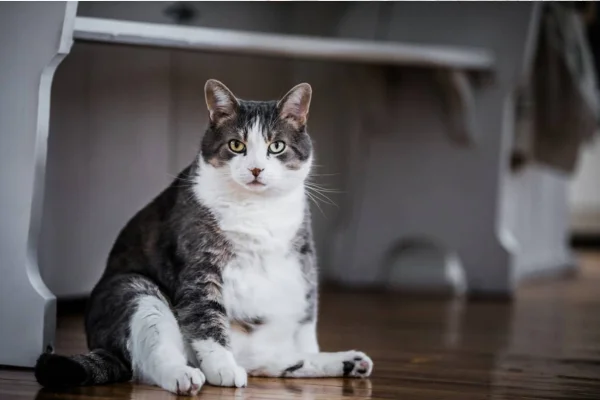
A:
[294,106]
[221,103]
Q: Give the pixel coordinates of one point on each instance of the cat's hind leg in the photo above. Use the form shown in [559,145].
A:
[129,312]
[315,365]
[157,349]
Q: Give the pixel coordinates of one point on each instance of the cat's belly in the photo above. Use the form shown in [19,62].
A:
[267,294]
[264,286]
[267,342]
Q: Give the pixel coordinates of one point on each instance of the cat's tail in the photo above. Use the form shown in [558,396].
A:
[95,368]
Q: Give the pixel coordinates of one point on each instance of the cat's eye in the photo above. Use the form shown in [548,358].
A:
[276,147]
[236,146]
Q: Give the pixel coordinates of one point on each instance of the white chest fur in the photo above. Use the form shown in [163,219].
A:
[270,287]
[264,280]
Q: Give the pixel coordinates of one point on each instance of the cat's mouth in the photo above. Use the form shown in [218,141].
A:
[256,184]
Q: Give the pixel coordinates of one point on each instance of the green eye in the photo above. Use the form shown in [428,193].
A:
[276,147]
[236,146]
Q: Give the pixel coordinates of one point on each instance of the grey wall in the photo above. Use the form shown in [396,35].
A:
[584,198]
[246,16]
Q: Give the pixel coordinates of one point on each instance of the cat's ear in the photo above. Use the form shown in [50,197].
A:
[221,103]
[295,104]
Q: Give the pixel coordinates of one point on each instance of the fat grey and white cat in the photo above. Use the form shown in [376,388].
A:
[216,278]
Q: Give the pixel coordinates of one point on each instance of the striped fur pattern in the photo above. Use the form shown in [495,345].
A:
[216,278]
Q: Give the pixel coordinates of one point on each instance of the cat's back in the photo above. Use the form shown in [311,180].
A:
[144,242]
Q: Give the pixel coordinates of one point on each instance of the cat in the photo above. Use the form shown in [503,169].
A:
[216,278]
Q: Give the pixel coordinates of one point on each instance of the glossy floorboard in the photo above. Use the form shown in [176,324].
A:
[545,345]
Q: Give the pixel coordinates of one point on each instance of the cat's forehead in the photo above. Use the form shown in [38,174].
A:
[251,110]
[256,131]
[257,120]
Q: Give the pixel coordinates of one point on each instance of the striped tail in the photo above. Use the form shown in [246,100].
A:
[95,368]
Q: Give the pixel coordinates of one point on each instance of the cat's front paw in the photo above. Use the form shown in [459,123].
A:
[183,380]
[224,372]
[357,364]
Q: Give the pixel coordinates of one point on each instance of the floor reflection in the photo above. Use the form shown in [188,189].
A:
[554,344]
[306,389]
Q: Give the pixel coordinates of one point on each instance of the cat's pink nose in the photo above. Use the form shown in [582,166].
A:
[256,171]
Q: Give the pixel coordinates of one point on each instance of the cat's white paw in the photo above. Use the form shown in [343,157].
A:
[356,364]
[183,380]
[225,372]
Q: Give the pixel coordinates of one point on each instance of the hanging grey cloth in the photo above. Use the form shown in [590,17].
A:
[567,104]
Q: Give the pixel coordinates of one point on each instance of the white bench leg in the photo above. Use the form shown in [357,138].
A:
[34,38]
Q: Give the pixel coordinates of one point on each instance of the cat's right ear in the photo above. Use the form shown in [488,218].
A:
[221,103]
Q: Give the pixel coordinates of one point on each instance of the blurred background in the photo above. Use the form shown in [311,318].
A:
[456,148]
[451,157]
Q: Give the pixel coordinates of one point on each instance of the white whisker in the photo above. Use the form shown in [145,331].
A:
[321,188]
[320,196]
[316,203]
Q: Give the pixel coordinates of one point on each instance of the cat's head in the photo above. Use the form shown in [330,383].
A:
[257,146]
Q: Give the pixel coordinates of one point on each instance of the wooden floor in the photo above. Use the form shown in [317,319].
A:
[545,345]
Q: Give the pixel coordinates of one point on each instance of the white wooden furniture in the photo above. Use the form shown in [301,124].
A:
[34,38]
[412,114]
